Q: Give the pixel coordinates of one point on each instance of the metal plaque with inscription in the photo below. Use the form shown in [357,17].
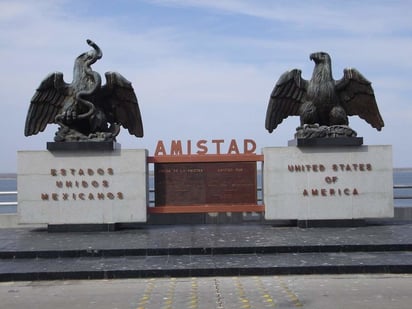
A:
[205,183]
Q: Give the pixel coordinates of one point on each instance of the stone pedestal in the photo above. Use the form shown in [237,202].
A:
[82,186]
[326,142]
[327,183]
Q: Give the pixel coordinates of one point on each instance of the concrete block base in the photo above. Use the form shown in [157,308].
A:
[82,187]
[328,183]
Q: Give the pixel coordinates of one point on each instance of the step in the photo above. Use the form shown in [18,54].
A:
[205,265]
[96,252]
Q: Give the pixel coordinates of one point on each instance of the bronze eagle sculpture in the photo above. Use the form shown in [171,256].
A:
[322,101]
[84,109]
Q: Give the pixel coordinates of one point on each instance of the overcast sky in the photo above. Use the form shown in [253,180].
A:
[204,69]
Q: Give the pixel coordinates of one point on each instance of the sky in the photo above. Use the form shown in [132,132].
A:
[204,69]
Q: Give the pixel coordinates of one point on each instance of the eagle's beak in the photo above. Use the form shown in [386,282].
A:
[313,56]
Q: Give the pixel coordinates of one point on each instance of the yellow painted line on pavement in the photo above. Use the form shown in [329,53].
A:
[292,296]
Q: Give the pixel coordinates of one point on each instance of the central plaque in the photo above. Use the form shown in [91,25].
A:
[205,183]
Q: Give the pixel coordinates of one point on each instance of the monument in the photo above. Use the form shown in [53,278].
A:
[205,177]
[83,109]
[322,103]
[330,174]
[84,177]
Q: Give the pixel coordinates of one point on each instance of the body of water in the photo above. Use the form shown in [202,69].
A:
[400,177]
[8,184]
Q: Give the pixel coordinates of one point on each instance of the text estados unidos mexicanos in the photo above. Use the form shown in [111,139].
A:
[87,181]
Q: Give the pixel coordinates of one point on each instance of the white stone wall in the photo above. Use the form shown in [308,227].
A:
[82,187]
[314,183]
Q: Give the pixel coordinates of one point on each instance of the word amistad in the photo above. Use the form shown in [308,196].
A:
[203,147]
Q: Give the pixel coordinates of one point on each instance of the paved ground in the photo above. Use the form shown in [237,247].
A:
[205,250]
[167,238]
[314,291]
[158,254]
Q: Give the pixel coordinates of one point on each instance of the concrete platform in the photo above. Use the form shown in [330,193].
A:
[205,250]
[375,291]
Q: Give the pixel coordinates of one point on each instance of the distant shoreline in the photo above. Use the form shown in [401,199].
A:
[402,169]
[8,175]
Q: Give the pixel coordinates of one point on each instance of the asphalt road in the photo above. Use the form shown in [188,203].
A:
[315,291]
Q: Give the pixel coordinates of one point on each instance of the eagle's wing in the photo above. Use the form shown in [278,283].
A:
[46,103]
[119,102]
[286,98]
[357,97]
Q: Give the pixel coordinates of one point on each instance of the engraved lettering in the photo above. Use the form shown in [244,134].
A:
[331,180]
[110,195]
[306,168]
[44,197]
[332,192]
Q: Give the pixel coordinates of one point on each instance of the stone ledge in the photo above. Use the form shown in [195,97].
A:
[82,146]
[325,141]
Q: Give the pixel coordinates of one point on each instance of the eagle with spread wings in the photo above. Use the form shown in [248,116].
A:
[322,100]
[84,109]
